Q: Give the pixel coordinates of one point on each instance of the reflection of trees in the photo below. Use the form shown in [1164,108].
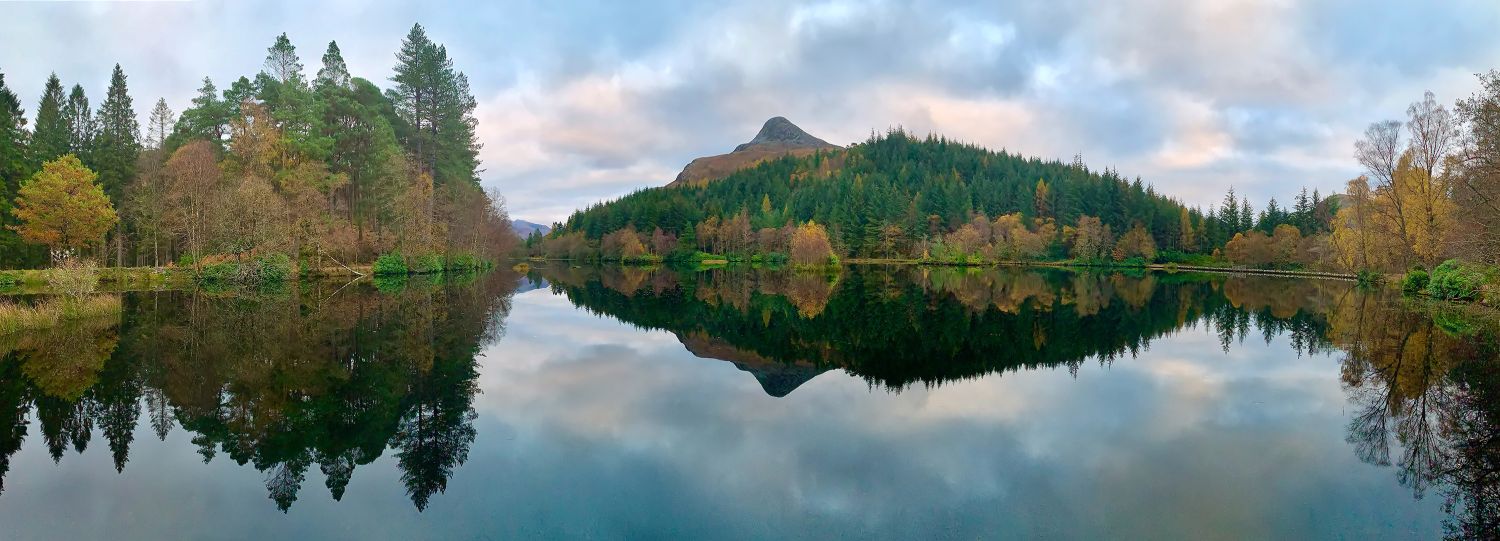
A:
[898,326]
[1434,393]
[316,376]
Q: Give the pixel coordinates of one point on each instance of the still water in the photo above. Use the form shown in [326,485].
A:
[610,403]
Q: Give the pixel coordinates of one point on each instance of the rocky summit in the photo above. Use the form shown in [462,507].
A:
[777,137]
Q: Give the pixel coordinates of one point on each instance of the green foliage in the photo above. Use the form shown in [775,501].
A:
[390,283]
[9,280]
[916,187]
[1416,281]
[1184,258]
[426,264]
[465,261]
[264,272]
[273,268]
[390,264]
[1368,278]
[1457,280]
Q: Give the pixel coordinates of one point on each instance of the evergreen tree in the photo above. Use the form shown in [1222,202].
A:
[1247,216]
[14,166]
[80,125]
[50,138]
[117,142]
[205,119]
[116,147]
[437,110]
[335,71]
[1229,214]
[294,107]
[160,125]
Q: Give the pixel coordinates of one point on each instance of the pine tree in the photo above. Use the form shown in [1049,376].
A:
[160,125]
[335,71]
[1247,216]
[1229,214]
[437,108]
[117,142]
[50,138]
[282,63]
[205,119]
[80,125]
[116,147]
[14,166]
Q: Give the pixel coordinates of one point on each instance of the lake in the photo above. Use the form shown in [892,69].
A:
[877,402]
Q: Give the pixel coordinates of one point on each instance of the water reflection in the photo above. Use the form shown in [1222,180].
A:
[323,375]
[1424,378]
[965,411]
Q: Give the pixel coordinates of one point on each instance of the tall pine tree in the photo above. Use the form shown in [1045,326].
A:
[116,147]
[80,125]
[437,109]
[50,138]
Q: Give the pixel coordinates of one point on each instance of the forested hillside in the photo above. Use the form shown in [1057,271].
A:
[898,196]
[315,164]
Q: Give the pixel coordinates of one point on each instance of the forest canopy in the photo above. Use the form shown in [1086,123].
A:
[316,164]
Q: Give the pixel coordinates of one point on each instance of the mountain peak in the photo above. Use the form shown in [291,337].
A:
[779,130]
[777,137]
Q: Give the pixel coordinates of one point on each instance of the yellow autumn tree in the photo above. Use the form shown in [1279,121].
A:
[62,208]
[1428,213]
[810,246]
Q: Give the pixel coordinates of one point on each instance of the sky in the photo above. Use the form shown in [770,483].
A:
[582,101]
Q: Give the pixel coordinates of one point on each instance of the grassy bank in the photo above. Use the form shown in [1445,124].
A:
[49,313]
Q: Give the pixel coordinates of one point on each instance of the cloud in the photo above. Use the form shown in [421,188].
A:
[585,100]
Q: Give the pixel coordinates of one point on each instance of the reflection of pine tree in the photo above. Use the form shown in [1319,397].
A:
[160,412]
[436,432]
[117,405]
[284,480]
[64,422]
[13,410]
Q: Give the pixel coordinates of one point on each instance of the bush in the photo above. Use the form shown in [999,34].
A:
[1456,280]
[1369,278]
[9,280]
[426,264]
[390,264]
[74,278]
[273,268]
[464,261]
[1416,281]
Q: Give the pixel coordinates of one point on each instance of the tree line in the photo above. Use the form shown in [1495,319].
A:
[327,167]
[898,196]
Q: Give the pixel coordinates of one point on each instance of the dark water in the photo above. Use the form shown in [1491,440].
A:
[879,403]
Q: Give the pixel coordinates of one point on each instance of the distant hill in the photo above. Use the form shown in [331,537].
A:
[525,228]
[777,138]
[892,195]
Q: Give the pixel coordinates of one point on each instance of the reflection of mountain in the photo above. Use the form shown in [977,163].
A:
[896,327]
[1425,384]
[319,376]
[777,378]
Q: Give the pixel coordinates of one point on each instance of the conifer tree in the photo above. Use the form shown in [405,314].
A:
[116,147]
[50,137]
[80,125]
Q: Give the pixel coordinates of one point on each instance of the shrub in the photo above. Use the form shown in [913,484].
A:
[1458,281]
[464,261]
[9,280]
[74,278]
[272,268]
[426,264]
[1368,278]
[1416,281]
[390,264]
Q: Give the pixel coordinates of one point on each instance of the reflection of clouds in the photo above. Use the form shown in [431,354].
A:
[1235,445]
